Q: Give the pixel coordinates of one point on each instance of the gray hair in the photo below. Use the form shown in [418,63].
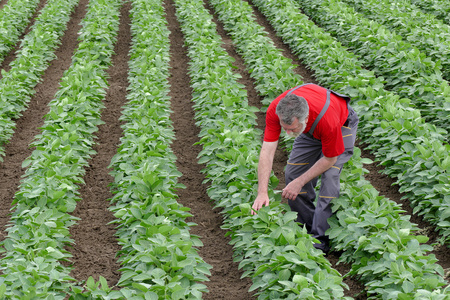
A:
[290,107]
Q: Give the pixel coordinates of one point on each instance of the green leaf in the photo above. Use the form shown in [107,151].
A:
[26,163]
[301,280]
[366,161]
[179,294]
[2,290]
[104,284]
[90,283]
[422,239]
[408,287]
[151,295]
[284,274]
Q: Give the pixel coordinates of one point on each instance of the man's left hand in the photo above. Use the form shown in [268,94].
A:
[292,190]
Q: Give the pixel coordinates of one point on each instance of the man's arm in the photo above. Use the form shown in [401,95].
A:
[294,187]
[264,170]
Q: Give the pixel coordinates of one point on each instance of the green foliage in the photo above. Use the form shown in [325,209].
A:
[388,125]
[365,215]
[270,246]
[14,17]
[424,31]
[36,51]
[159,258]
[39,231]
[439,8]
[380,242]
[407,71]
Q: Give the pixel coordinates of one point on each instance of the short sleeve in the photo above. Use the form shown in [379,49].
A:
[273,128]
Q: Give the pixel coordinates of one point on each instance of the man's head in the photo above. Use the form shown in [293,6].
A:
[293,112]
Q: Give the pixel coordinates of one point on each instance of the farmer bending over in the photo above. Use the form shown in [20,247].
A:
[324,126]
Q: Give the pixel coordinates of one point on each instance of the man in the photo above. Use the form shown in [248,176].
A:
[325,129]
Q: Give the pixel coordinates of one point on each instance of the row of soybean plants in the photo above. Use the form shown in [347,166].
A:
[35,259]
[159,257]
[36,51]
[411,149]
[381,244]
[407,71]
[363,215]
[439,8]
[429,34]
[271,247]
[14,18]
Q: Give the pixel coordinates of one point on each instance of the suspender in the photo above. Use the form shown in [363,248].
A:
[322,112]
[298,86]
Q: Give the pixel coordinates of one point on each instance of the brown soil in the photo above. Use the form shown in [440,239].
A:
[17,150]
[382,183]
[225,280]
[2,3]
[95,243]
[94,252]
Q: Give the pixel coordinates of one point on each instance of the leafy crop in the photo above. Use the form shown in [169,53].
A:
[230,13]
[272,71]
[37,50]
[411,149]
[439,8]
[381,243]
[407,70]
[158,256]
[424,31]
[271,247]
[39,229]
[14,17]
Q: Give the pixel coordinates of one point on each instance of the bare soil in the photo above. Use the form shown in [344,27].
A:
[94,252]
[27,126]
[95,243]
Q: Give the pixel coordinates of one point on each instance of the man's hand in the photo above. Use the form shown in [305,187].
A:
[292,190]
[259,202]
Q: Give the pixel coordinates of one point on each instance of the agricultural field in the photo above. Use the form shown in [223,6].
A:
[130,134]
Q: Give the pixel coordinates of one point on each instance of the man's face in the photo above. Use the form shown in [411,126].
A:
[295,129]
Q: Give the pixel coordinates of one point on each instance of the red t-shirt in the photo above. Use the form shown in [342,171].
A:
[328,130]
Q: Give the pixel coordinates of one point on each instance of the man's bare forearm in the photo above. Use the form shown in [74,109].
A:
[264,171]
[265,165]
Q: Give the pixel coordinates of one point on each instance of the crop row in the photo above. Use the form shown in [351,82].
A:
[271,247]
[39,229]
[380,242]
[37,50]
[408,71]
[411,149]
[439,8]
[158,256]
[14,18]
[369,205]
[424,31]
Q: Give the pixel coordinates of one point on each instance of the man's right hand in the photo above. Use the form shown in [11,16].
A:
[259,202]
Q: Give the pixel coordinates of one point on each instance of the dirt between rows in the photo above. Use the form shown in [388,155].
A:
[2,3]
[95,243]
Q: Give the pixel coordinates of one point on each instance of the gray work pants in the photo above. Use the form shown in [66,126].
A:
[305,152]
